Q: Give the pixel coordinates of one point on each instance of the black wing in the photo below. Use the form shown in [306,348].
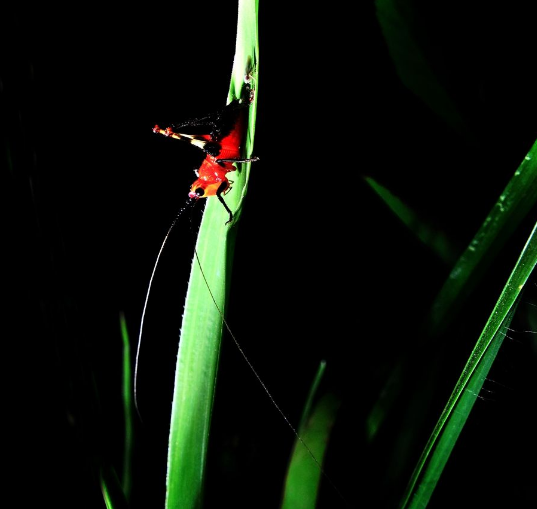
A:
[216,125]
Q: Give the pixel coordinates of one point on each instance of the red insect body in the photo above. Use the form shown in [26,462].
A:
[212,175]
[223,149]
[212,179]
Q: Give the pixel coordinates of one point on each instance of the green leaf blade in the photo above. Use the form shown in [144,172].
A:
[205,305]
[451,422]
[513,205]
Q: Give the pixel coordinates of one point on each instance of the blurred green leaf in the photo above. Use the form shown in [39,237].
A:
[128,410]
[305,467]
[427,233]
[406,45]
[111,489]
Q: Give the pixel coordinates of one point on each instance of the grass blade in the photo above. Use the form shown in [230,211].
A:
[502,221]
[304,472]
[116,493]
[201,331]
[455,413]
[427,233]
[412,61]
[128,410]
[513,205]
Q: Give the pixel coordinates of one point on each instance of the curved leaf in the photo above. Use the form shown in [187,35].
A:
[201,331]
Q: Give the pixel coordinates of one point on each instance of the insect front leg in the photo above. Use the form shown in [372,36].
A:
[249,160]
[224,186]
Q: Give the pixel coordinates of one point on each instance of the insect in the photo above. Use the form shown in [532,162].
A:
[222,146]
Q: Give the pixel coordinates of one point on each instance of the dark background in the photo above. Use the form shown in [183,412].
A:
[90,193]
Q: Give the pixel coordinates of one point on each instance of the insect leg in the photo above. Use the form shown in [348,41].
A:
[250,160]
[223,187]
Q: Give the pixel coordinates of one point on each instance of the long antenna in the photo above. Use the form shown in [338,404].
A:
[268,393]
[189,204]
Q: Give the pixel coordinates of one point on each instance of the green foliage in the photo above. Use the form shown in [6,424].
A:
[201,331]
[206,304]
[387,233]
[419,467]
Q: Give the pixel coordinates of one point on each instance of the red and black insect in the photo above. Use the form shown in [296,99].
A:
[222,146]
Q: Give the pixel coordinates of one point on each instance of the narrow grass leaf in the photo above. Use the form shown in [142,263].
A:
[436,240]
[128,410]
[507,215]
[412,58]
[513,205]
[115,493]
[111,489]
[461,401]
[306,412]
[202,325]
[304,472]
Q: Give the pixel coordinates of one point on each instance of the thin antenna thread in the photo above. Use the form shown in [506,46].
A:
[189,204]
[265,388]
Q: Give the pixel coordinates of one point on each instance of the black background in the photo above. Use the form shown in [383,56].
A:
[90,193]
